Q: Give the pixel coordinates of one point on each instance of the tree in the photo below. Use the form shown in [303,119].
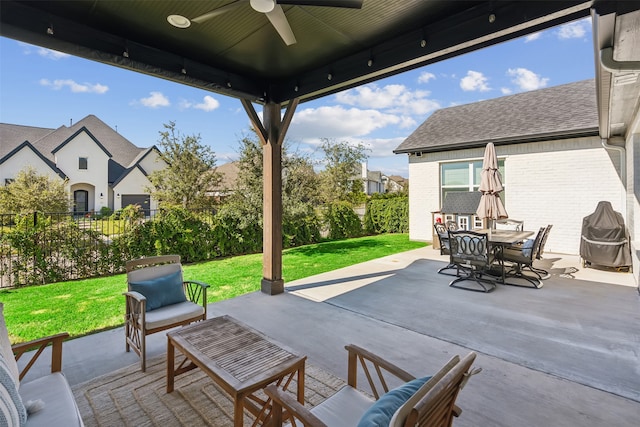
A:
[299,180]
[31,192]
[190,171]
[244,210]
[340,180]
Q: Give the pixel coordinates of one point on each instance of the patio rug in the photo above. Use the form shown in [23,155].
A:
[129,397]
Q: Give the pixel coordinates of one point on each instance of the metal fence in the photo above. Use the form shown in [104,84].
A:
[49,247]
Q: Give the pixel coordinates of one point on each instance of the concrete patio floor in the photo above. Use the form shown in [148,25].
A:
[564,355]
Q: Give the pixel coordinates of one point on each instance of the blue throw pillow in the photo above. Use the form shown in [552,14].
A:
[161,291]
[527,247]
[380,414]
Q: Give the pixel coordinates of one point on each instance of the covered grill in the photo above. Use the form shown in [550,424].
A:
[605,240]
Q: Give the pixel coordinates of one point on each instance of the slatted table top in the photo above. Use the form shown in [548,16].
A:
[236,353]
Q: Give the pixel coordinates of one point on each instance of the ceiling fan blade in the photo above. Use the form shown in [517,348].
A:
[219,11]
[279,21]
[351,4]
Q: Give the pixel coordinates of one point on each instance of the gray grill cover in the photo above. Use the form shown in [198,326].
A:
[605,240]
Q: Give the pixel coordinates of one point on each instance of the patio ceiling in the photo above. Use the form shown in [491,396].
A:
[240,54]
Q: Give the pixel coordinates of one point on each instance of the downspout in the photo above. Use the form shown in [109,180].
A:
[623,168]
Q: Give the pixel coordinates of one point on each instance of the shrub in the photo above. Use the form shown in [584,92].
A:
[172,231]
[300,226]
[342,221]
[387,214]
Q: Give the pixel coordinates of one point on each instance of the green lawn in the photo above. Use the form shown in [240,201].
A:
[85,306]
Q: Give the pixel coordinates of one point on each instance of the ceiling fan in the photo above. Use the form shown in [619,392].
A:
[271,8]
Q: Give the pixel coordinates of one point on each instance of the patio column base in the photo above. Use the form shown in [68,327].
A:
[272,287]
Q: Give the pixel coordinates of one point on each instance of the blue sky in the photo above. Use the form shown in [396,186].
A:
[42,88]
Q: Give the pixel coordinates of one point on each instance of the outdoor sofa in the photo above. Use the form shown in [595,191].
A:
[44,401]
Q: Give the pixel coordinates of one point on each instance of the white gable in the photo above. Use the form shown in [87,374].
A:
[20,160]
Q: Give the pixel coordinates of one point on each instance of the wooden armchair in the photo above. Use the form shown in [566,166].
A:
[427,401]
[158,299]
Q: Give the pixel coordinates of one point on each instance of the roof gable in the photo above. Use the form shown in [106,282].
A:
[29,146]
[78,132]
[557,112]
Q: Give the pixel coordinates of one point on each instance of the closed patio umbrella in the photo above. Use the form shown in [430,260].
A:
[490,206]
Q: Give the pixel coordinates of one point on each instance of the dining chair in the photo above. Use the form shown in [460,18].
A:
[509,224]
[445,247]
[472,256]
[544,274]
[521,258]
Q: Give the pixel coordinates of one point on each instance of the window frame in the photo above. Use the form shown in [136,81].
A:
[86,163]
[471,184]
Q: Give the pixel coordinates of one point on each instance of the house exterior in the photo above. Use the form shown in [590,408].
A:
[555,167]
[394,183]
[100,166]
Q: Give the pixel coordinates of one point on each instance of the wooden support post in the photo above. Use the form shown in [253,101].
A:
[272,136]
[272,282]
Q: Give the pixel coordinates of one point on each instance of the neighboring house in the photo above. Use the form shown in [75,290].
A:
[102,168]
[371,180]
[229,178]
[554,165]
[394,183]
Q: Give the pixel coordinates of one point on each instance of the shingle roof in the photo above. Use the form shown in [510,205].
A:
[461,202]
[124,154]
[557,112]
[11,136]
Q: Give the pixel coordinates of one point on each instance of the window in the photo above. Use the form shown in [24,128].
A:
[83,162]
[464,176]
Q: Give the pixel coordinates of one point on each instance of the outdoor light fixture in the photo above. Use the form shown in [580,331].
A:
[492,18]
[50,30]
[125,53]
[263,6]
[370,62]
[101,195]
[179,21]
[423,43]
[329,76]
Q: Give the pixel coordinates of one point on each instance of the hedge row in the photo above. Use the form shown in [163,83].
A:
[45,251]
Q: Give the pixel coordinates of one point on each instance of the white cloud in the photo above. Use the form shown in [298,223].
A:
[394,98]
[75,87]
[527,79]
[532,37]
[338,122]
[506,91]
[209,103]
[574,30]
[28,49]
[425,77]
[376,147]
[51,54]
[473,81]
[155,100]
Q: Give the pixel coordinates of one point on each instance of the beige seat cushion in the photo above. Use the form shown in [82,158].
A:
[345,408]
[60,407]
[173,313]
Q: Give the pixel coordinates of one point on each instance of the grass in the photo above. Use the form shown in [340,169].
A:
[85,306]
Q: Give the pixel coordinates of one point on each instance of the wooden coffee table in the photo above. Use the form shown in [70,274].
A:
[239,359]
